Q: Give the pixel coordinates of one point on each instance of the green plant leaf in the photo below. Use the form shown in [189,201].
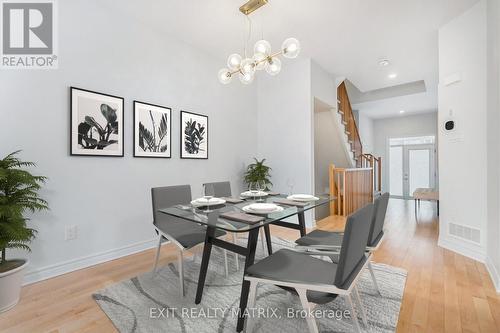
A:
[18,195]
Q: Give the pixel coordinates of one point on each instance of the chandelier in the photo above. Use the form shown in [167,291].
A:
[263,58]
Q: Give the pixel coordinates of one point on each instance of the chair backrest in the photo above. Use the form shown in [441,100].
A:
[164,197]
[352,253]
[377,227]
[218,189]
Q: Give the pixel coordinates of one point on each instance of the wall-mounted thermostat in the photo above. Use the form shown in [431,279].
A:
[450,123]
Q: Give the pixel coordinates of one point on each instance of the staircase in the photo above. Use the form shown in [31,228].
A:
[356,186]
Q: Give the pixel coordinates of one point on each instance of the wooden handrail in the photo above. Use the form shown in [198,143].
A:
[351,127]
[353,187]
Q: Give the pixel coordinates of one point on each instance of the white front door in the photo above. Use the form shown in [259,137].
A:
[411,167]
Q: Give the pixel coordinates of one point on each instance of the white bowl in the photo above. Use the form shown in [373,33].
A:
[250,194]
[254,210]
[263,207]
[302,197]
[207,202]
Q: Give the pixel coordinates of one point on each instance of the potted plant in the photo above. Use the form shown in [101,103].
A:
[18,195]
[258,171]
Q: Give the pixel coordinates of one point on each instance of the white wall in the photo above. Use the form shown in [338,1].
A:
[323,85]
[463,157]
[366,132]
[109,198]
[284,125]
[406,126]
[493,137]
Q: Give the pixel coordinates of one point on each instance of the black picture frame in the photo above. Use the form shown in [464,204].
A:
[151,155]
[75,150]
[184,154]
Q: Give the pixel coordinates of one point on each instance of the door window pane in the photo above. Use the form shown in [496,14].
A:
[419,167]
[396,171]
[418,140]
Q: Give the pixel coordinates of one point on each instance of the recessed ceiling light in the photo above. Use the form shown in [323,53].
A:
[384,63]
[401,111]
[392,76]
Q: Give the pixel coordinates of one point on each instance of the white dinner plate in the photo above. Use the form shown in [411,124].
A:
[207,202]
[248,194]
[249,209]
[302,197]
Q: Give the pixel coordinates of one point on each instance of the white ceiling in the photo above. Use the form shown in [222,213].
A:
[346,37]
[390,107]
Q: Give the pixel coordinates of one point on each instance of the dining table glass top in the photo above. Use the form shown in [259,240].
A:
[211,215]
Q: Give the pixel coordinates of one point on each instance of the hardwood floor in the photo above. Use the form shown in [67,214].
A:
[445,292]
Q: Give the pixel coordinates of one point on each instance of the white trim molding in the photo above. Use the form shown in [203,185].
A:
[464,248]
[64,267]
[495,277]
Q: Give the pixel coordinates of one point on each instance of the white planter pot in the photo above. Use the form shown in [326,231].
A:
[10,287]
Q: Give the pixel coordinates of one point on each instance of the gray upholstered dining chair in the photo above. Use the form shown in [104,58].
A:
[185,235]
[314,280]
[331,241]
[223,189]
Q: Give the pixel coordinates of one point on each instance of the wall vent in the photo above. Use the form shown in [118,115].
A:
[465,232]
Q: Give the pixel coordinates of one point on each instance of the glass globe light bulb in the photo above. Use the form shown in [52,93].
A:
[246,78]
[273,66]
[247,66]
[290,48]
[259,59]
[234,61]
[262,46]
[224,76]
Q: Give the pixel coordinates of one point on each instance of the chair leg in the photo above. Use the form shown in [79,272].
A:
[362,308]
[262,239]
[252,297]
[180,259]
[372,273]
[157,254]
[354,315]
[226,267]
[236,258]
[311,322]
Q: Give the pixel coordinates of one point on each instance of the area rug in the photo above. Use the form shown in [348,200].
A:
[151,303]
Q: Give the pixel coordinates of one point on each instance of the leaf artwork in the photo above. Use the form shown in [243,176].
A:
[151,141]
[92,135]
[194,136]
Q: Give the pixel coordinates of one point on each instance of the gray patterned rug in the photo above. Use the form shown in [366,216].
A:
[152,304]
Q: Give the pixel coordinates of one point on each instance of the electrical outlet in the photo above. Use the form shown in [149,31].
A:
[71,232]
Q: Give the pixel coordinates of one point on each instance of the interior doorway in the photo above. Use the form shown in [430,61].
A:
[412,164]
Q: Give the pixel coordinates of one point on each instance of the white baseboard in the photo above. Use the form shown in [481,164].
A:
[50,271]
[495,277]
[464,248]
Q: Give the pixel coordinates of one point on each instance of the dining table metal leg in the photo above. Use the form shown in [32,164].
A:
[302,223]
[253,236]
[267,231]
[207,249]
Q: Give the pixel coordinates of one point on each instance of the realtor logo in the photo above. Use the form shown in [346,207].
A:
[28,34]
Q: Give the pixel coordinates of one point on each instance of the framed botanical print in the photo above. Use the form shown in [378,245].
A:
[152,130]
[96,123]
[194,135]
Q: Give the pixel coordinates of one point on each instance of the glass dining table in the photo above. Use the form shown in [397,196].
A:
[223,217]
